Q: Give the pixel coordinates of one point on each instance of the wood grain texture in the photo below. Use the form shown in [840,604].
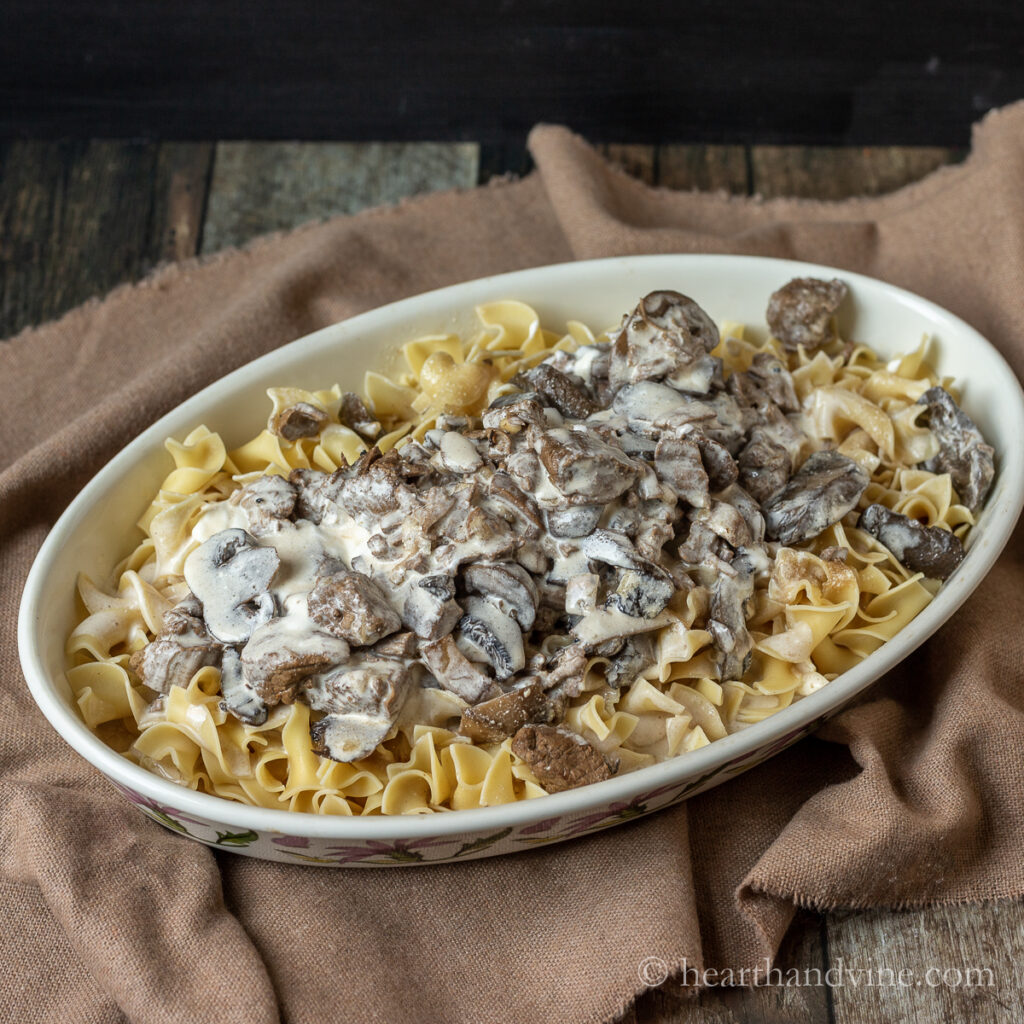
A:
[639,161]
[263,186]
[706,168]
[960,963]
[816,172]
[794,1004]
[78,218]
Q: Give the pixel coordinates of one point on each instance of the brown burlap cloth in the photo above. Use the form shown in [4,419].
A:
[915,796]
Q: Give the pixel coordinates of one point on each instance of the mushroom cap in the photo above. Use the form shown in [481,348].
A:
[231,576]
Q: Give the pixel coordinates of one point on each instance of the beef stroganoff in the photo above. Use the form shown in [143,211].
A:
[529,560]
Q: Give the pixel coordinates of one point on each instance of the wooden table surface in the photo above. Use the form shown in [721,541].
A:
[78,218]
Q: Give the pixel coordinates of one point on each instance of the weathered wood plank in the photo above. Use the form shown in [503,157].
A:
[77,219]
[182,180]
[972,952]
[265,186]
[639,161]
[817,172]
[707,168]
[792,1003]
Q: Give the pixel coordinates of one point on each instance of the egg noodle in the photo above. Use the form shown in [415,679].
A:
[812,618]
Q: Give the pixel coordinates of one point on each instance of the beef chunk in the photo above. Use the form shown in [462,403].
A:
[362,700]
[963,453]
[827,486]
[493,720]
[666,335]
[928,549]
[800,312]
[277,659]
[401,646]
[511,413]
[316,493]
[351,606]
[373,486]
[584,468]
[559,390]
[268,501]
[173,659]
[764,466]
[299,420]
[775,381]
[559,758]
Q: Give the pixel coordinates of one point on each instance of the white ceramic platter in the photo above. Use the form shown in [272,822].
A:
[97,531]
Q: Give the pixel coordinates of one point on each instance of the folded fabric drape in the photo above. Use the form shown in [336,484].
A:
[915,795]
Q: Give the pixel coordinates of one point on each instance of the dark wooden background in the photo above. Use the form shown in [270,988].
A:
[872,72]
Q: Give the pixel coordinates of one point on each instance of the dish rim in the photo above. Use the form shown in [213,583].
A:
[695,764]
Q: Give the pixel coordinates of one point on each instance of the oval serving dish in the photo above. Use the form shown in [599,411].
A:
[97,529]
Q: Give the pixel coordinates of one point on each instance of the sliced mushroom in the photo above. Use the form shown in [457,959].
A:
[625,666]
[493,720]
[677,461]
[508,586]
[642,595]
[560,759]
[486,634]
[267,501]
[647,407]
[963,453]
[801,312]
[574,520]
[581,593]
[351,606]
[927,549]
[279,657]
[458,453]
[299,420]
[826,487]
[454,671]
[430,608]
[354,415]
[727,619]
[725,521]
[240,696]
[231,576]
[748,508]
[585,469]
[667,333]
[559,390]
